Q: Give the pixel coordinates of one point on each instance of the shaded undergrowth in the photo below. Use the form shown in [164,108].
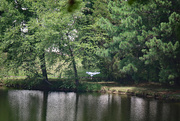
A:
[56,85]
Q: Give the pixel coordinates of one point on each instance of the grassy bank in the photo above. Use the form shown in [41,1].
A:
[146,90]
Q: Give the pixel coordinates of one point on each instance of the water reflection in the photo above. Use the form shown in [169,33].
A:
[61,106]
[24,105]
[138,109]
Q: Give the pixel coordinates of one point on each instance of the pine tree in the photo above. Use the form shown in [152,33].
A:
[164,47]
[91,36]
[141,35]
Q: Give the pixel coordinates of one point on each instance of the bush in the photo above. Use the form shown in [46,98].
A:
[34,84]
[68,85]
[23,84]
[14,83]
[61,85]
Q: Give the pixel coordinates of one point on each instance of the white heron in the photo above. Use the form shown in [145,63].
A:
[92,73]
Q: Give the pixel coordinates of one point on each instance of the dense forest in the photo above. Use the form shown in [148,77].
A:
[129,41]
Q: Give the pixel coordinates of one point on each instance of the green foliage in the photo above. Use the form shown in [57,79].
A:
[90,36]
[134,40]
[28,49]
[137,1]
[15,84]
[144,44]
[68,85]
[24,84]
[15,43]
[34,84]
[60,85]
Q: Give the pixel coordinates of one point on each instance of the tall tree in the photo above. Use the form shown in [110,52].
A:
[90,35]
[13,31]
[164,47]
[137,31]
[62,35]
[25,35]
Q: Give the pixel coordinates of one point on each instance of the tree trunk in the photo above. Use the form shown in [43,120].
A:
[74,67]
[43,67]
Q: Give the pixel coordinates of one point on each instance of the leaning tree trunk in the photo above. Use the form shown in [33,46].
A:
[74,67]
[43,67]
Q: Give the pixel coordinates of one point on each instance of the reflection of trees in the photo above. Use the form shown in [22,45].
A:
[59,106]
[109,107]
[153,110]
[76,107]
[25,105]
[125,108]
[5,109]
[105,107]
[137,109]
[44,105]
[91,107]
[142,110]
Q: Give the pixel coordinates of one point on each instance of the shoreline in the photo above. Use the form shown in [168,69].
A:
[147,91]
[144,92]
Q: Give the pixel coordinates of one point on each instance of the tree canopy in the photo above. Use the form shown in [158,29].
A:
[129,41]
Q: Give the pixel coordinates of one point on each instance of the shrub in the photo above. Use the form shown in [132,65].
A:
[34,84]
[23,84]
[63,85]
[14,83]
[70,85]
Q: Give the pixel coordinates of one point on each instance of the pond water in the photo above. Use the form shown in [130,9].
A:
[26,105]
